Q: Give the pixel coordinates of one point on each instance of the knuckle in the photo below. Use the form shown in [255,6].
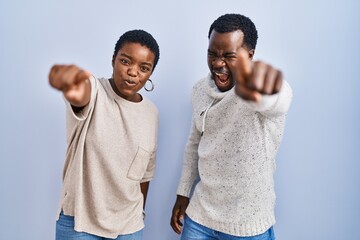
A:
[267,90]
[260,64]
[255,85]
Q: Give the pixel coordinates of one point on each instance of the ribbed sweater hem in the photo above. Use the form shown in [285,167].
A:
[242,229]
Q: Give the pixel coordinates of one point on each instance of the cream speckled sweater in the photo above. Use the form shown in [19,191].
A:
[111,149]
[234,159]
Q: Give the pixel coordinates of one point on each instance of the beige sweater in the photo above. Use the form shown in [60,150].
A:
[111,149]
[233,160]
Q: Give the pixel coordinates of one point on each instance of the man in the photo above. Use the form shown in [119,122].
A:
[239,113]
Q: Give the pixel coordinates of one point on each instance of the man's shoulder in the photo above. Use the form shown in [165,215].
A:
[201,83]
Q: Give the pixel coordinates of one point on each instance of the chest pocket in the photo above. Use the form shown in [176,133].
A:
[139,164]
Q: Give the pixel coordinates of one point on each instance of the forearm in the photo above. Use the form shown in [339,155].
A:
[144,186]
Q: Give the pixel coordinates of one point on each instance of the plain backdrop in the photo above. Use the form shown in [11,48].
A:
[315,43]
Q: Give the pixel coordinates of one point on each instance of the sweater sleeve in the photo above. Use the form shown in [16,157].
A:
[190,173]
[274,105]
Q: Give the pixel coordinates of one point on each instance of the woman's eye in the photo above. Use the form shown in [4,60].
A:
[145,69]
[124,61]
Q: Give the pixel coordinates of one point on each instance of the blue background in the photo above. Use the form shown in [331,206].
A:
[315,43]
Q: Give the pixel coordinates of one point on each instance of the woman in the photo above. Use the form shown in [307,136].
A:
[111,143]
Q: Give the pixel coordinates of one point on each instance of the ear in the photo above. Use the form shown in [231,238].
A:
[251,53]
[113,60]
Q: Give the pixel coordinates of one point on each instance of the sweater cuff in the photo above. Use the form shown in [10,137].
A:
[184,190]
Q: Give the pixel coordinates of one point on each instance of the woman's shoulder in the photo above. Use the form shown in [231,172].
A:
[149,105]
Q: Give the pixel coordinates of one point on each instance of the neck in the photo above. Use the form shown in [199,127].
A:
[135,98]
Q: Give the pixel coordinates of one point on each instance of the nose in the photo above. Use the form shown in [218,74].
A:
[218,62]
[132,71]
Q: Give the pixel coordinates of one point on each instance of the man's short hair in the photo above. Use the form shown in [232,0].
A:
[232,22]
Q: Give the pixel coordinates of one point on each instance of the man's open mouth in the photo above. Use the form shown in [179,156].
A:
[221,77]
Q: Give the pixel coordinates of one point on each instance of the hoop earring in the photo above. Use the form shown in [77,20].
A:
[152,86]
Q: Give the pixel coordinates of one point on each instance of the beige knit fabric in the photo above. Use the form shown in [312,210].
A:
[111,149]
[234,159]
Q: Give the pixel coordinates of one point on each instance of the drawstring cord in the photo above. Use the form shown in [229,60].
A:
[204,117]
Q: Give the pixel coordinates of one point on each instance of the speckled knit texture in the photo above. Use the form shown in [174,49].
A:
[232,164]
[111,149]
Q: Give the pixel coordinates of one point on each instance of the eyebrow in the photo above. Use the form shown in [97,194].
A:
[230,54]
[123,54]
[145,63]
[225,54]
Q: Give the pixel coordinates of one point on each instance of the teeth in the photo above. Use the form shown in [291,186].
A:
[222,76]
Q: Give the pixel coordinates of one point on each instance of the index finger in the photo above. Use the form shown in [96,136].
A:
[82,75]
